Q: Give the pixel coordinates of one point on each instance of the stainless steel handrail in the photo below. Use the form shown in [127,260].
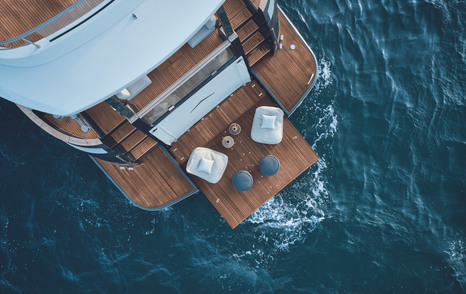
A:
[23,37]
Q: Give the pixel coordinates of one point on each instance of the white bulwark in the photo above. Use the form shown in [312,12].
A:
[102,56]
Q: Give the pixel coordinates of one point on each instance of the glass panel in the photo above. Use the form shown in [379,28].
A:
[188,86]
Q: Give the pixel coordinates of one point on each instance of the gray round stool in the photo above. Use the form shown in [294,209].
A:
[269,165]
[242,180]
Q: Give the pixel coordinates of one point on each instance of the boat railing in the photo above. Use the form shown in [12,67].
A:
[55,24]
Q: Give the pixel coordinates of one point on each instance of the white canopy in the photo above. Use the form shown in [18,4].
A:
[102,56]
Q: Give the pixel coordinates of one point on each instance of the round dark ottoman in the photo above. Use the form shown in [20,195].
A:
[269,165]
[242,180]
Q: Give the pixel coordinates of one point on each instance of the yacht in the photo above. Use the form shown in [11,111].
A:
[170,99]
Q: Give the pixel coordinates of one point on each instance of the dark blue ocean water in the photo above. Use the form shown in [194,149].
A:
[383,211]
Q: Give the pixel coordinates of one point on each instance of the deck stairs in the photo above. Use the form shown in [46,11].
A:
[247,30]
[129,142]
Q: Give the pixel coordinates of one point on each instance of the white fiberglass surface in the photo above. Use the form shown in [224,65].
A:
[102,56]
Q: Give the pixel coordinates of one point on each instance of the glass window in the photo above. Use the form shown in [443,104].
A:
[167,101]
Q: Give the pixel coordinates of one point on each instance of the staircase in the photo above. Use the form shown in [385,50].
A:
[130,143]
[247,30]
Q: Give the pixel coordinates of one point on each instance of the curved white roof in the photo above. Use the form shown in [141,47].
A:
[102,56]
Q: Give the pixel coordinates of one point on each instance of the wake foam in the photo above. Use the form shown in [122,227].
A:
[325,76]
[456,252]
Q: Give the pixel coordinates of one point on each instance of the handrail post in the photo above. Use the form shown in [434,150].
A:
[24,39]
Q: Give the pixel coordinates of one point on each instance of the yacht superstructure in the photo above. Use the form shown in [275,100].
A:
[143,85]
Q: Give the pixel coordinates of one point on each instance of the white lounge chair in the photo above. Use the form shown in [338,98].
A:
[207,164]
[267,127]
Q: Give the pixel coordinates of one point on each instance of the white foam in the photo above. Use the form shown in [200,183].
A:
[327,125]
[325,76]
[456,252]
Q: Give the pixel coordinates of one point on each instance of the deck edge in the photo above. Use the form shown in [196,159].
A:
[312,84]
[134,203]
[314,80]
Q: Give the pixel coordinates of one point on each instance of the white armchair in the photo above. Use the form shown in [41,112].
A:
[267,126]
[207,164]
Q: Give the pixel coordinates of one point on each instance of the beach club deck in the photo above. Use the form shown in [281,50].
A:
[160,179]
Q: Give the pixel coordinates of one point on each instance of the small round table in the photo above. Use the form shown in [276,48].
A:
[269,165]
[234,129]
[242,180]
[228,142]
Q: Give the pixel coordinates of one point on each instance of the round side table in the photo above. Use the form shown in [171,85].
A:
[228,142]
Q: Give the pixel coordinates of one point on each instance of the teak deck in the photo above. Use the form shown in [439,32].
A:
[20,16]
[174,68]
[71,127]
[104,117]
[217,120]
[156,182]
[287,74]
[294,153]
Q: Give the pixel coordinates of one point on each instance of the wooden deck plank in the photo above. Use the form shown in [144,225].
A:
[252,42]
[133,139]
[143,147]
[174,68]
[286,74]
[71,127]
[256,3]
[122,132]
[155,182]
[233,7]
[105,117]
[257,54]
[295,157]
[217,120]
[247,30]
[19,17]
[240,18]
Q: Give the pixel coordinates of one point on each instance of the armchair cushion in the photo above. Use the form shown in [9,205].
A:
[205,165]
[197,168]
[268,121]
[267,135]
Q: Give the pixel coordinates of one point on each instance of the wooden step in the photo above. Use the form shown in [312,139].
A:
[257,54]
[252,42]
[134,139]
[256,3]
[122,132]
[247,30]
[240,19]
[233,7]
[143,147]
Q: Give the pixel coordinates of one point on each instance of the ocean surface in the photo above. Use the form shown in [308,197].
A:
[383,211]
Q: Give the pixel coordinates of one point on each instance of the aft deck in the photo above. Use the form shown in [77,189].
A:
[159,181]
[153,184]
[294,153]
[289,74]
